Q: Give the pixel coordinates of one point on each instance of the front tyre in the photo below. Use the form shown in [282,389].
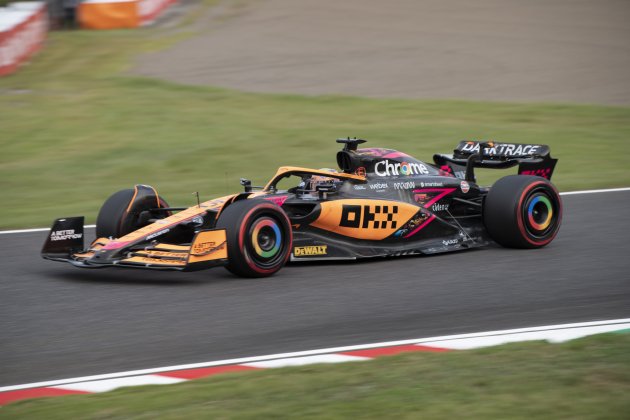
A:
[522,211]
[128,210]
[259,237]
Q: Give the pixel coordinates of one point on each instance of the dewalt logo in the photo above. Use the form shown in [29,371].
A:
[306,251]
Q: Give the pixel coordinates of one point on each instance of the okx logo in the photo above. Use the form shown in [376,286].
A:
[366,216]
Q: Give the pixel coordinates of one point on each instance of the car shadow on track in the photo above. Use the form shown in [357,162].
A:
[138,277]
[131,276]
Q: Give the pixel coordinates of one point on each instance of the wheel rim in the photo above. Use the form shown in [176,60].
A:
[266,241]
[540,213]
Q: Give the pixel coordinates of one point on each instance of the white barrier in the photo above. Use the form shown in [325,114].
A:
[23,29]
[151,9]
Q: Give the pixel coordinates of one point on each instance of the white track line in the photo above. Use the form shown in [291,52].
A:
[252,360]
[7,232]
[595,191]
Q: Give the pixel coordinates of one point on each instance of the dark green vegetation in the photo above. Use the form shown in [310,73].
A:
[75,127]
[587,378]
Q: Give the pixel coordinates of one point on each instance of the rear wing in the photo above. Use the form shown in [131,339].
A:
[532,159]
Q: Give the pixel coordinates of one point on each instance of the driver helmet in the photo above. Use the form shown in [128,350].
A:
[315,180]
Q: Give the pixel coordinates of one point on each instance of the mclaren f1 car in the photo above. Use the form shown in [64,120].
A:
[379,203]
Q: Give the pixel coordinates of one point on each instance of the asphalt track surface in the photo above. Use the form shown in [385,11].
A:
[499,50]
[57,321]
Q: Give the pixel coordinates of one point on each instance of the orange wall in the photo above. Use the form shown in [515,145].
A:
[103,14]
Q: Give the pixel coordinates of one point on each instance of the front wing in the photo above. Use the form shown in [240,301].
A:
[65,243]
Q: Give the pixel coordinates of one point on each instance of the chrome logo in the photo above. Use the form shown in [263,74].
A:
[405,169]
[266,238]
[540,208]
[393,168]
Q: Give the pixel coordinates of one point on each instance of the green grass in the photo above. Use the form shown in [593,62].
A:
[75,127]
[587,378]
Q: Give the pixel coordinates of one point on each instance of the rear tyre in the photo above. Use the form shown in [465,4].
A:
[123,212]
[522,211]
[259,237]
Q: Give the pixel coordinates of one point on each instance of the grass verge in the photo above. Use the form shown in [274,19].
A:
[587,378]
[75,127]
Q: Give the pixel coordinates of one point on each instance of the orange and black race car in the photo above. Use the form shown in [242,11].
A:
[380,203]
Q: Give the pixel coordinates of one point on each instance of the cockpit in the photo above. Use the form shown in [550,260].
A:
[315,184]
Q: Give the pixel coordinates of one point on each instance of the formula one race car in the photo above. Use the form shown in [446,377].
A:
[382,203]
